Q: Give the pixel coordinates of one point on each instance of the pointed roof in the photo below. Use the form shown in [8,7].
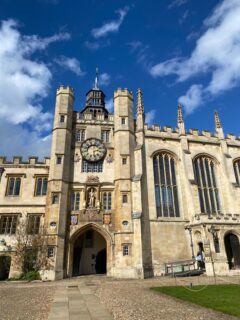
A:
[140,105]
[179,114]
[217,120]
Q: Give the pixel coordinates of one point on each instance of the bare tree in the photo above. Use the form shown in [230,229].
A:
[31,249]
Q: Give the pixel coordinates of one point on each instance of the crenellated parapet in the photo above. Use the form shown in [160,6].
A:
[17,160]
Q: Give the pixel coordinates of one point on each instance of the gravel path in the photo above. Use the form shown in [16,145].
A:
[125,299]
[134,301]
[25,302]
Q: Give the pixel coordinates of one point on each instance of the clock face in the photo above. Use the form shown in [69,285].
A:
[93,150]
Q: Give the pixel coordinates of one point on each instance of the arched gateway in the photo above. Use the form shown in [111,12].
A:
[89,251]
[232,247]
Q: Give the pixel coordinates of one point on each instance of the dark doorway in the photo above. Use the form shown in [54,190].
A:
[232,248]
[89,254]
[5,263]
[101,258]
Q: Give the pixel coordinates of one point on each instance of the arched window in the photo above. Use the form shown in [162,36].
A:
[236,166]
[165,185]
[204,168]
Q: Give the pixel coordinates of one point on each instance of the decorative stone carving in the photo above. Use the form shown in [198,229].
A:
[92,179]
[53,225]
[74,220]
[77,157]
[107,218]
[109,158]
[136,215]
[92,198]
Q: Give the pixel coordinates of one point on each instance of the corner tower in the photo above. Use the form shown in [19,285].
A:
[59,176]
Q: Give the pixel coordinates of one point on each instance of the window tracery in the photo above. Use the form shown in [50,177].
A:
[165,185]
[204,169]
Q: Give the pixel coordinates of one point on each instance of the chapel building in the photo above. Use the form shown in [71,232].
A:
[120,197]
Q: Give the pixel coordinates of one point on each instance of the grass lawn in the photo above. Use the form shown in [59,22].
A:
[224,298]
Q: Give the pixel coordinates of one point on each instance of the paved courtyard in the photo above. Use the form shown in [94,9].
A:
[101,298]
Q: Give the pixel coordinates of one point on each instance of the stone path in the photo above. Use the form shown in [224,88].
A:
[77,302]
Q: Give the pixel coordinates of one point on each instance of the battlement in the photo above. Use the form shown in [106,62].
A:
[65,90]
[123,93]
[16,160]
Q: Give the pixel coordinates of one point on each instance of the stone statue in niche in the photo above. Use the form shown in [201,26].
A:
[92,198]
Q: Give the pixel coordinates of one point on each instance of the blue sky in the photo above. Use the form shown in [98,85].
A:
[183,51]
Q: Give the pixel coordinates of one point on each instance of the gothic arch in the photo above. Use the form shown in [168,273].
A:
[80,231]
[207,155]
[171,153]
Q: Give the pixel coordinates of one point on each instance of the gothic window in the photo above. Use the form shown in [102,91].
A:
[236,166]
[75,201]
[80,135]
[165,185]
[107,200]
[13,186]
[205,176]
[105,135]
[33,224]
[8,224]
[92,167]
[41,186]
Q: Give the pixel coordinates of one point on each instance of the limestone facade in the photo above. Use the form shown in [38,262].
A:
[103,192]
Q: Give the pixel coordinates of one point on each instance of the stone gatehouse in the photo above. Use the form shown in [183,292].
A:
[120,197]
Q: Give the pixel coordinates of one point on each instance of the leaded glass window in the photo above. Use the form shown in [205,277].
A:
[236,166]
[80,135]
[92,167]
[33,224]
[204,169]
[41,186]
[75,201]
[13,186]
[107,200]
[8,224]
[166,193]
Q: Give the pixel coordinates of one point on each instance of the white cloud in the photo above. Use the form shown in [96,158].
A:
[24,82]
[111,26]
[104,79]
[92,45]
[109,105]
[150,116]
[217,53]
[71,64]
[19,141]
[177,3]
[193,98]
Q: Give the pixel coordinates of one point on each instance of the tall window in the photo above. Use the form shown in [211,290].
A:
[33,224]
[13,186]
[105,135]
[107,200]
[41,186]
[8,224]
[75,201]
[236,166]
[92,167]
[204,168]
[165,185]
[80,135]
